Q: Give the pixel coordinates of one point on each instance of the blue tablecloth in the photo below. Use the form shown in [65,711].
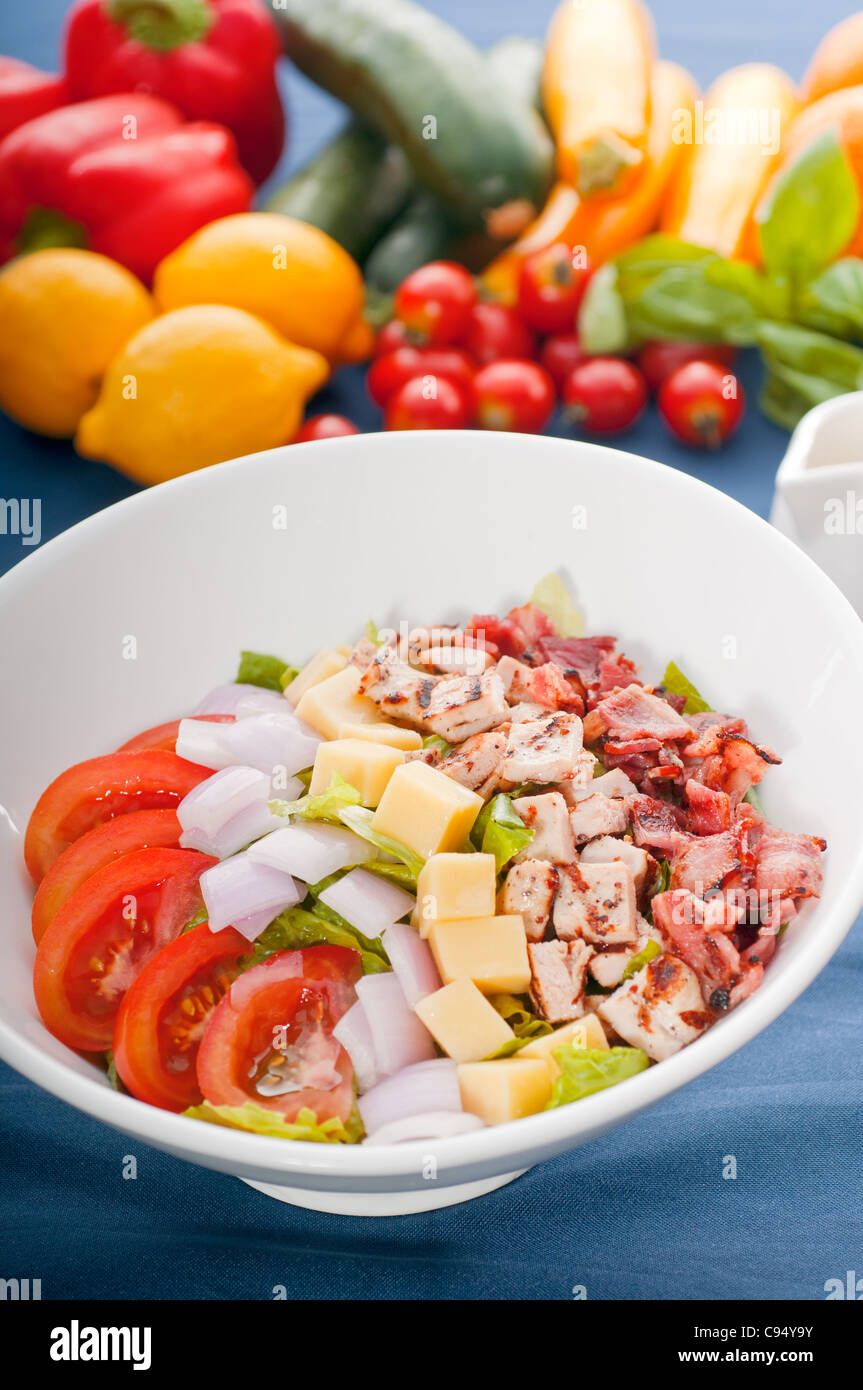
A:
[643,1213]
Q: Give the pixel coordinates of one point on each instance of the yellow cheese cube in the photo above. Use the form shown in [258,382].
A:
[463,1022]
[491,951]
[426,810]
[325,664]
[330,703]
[504,1090]
[454,886]
[584,1032]
[367,766]
[390,734]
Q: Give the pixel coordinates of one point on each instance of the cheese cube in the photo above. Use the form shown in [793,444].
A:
[584,1032]
[390,734]
[325,664]
[426,810]
[506,1089]
[330,703]
[367,766]
[491,951]
[452,887]
[463,1022]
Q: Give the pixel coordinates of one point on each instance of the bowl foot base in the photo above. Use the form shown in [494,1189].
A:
[382,1203]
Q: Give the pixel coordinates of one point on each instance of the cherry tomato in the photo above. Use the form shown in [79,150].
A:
[101,845]
[428,403]
[165,735]
[270,1040]
[324,427]
[99,789]
[659,359]
[164,1012]
[387,374]
[514,395]
[497,331]
[560,354]
[105,933]
[701,403]
[434,303]
[550,288]
[391,336]
[605,394]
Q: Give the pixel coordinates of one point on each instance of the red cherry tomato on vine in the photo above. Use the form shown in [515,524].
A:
[324,427]
[387,374]
[551,284]
[497,331]
[434,303]
[428,403]
[514,395]
[391,336]
[701,403]
[560,354]
[605,395]
[657,360]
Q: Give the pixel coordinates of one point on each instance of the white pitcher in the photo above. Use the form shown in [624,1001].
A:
[819,491]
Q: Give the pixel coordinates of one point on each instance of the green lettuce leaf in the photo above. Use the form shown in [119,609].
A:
[270,672]
[257,1120]
[839,291]
[499,830]
[359,820]
[811,214]
[326,806]
[439,744]
[297,927]
[113,1074]
[525,1024]
[755,800]
[643,958]
[552,596]
[585,1070]
[677,684]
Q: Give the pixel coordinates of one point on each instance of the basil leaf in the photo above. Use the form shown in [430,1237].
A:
[602,325]
[839,290]
[814,354]
[681,303]
[812,212]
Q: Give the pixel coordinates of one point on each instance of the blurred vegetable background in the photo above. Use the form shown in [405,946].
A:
[515,233]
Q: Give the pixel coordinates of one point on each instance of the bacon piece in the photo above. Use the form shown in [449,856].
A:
[709,810]
[636,713]
[659,1010]
[788,864]
[724,757]
[698,933]
[546,815]
[529,890]
[557,978]
[657,824]
[707,863]
[580,656]
[617,673]
[541,685]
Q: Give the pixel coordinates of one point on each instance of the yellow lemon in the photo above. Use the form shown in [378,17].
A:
[63,315]
[197,386]
[287,272]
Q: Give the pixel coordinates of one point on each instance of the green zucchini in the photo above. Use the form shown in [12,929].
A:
[353,189]
[425,88]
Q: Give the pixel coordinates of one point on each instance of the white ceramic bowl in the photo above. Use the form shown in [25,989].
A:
[295,549]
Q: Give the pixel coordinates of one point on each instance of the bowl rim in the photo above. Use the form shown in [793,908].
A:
[497,1148]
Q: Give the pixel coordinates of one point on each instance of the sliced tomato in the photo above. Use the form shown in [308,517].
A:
[271,1041]
[165,1011]
[104,935]
[95,791]
[102,844]
[165,735]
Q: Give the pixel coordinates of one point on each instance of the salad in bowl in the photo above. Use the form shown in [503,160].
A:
[433,880]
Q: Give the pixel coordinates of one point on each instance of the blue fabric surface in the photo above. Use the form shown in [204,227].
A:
[644,1212]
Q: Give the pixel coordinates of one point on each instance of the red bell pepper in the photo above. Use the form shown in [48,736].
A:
[214,59]
[124,175]
[26,92]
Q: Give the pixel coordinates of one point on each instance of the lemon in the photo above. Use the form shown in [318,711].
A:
[63,315]
[196,386]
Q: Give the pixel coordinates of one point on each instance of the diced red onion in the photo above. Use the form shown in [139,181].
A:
[269,741]
[225,698]
[238,888]
[199,741]
[214,802]
[355,1036]
[412,961]
[251,927]
[311,851]
[435,1124]
[248,825]
[399,1038]
[368,902]
[417,1090]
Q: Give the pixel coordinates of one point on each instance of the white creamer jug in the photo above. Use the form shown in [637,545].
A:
[819,491]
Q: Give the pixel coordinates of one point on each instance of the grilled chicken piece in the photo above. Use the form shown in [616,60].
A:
[529,889]
[597,902]
[598,815]
[613,783]
[525,710]
[606,850]
[401,692]
[544,685]
[607,967]
[659,1010]
[475,762]
[557,978]
[542,750]
[548,818]
[465,705]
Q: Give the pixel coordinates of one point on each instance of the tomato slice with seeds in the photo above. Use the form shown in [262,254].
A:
[95,791]
[271,1041]
[165,1011]
[165,735]
[106,933]
[137,830]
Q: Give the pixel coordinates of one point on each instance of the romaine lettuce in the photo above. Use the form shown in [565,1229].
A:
[359,820]
[269,672]
[257,1120]
[302,926]
[499,830]
[586,1070]
[552,596]
[325,806]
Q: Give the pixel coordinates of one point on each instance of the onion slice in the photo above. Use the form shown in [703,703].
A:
[434,1124]
[238,889]
[369,903]
[225,698]
[400,1038]
[311,851]
[355,1036]
[417,1090]
[412,961]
